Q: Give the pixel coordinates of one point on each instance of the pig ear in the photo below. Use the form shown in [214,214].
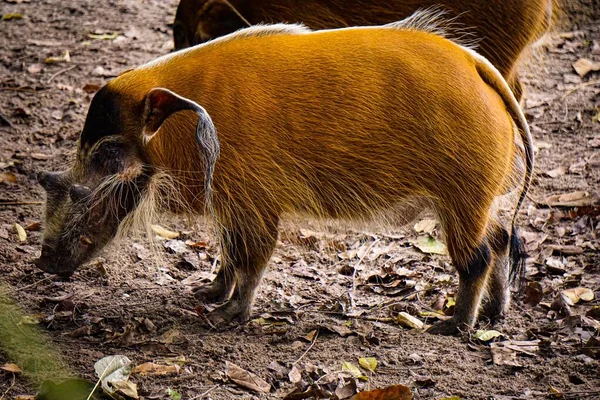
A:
[160,104]
[218,18]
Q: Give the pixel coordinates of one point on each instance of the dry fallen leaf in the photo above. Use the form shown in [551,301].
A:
[583,66]
[163,232]
[91,88]
[353,370]
[103,36]
[8,17]
[565,250]
[430,245]
[408,321]
[574,199]
[246,379]
[425,226]
[14,368]
[295,375]
[35,68]
[20,232]
[534,293]
[34,226]
[345,389]
[7,177]
[397,392]
[579,293]
[486,336]
[556,172]
[368,363]
[126,388]
[66,57]
[150,368]
[505,353]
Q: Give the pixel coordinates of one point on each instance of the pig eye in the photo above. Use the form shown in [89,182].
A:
[112,153]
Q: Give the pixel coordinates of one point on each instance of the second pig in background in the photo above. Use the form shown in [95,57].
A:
[503,28]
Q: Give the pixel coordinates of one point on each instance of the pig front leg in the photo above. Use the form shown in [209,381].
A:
[246,252]
[219,289]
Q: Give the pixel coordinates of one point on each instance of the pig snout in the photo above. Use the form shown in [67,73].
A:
[50,262]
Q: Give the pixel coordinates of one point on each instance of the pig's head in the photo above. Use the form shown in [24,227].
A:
[197,21]
[86,204]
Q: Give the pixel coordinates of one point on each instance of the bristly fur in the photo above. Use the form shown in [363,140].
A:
[438,21]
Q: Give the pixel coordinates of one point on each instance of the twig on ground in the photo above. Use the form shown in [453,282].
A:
[205,393]
[32,285]
[576,88]
[308,349]
[61,72]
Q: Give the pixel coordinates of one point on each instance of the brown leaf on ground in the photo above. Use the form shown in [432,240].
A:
[592,348]
[20,232]
[34,226]
[505,353]
[396,392]
[534,293]
[150,368]
[66,57]
[573,199]
[91,88]
[579,293]
[14,368]
[246,379]
[164,233]
[556,172]
[583,66]
[565,250]
[8,177]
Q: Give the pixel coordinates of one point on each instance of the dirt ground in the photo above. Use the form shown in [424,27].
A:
[127,303]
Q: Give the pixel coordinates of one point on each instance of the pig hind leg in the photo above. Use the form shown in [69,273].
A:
[472,263]
[498,295]
[248,253]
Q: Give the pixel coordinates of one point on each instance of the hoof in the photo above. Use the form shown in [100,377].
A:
[493,312]
[230,313]
[448,327]
[210,293]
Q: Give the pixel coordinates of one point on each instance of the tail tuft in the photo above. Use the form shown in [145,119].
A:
[517,257]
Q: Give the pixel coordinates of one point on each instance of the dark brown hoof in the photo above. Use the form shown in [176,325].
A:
[230,313]
[210,293]
[448,327]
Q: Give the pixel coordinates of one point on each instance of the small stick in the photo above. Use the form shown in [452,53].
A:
[33,284]
[205,393]
[576,88]
[309,347]
[61,72]
[101,377]
[20,203]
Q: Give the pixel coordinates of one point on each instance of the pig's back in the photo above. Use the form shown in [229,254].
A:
[367,110]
